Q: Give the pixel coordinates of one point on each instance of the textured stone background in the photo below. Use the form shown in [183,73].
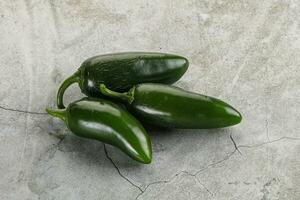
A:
[245,52]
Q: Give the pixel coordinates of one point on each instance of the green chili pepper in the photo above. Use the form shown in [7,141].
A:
[107,122]
[120,71]
[168,106]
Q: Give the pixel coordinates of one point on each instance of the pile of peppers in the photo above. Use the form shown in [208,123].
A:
[126,91]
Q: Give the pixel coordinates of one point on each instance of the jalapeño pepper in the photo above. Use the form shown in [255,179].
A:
[107,122]
[120,71]
[169,106]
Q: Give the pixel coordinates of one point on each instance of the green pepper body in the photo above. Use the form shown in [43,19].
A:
[121,71]
[105,121]
[169,106]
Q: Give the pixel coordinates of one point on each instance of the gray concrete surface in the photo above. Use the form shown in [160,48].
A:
[244,52]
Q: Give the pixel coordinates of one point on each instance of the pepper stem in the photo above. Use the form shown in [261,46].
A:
[127,97]
[60,94]
[59,113]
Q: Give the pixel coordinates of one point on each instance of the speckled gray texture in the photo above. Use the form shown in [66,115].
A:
[244,52]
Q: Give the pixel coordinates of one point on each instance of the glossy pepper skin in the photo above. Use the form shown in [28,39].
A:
[105,121]
[168,106]
[121,71]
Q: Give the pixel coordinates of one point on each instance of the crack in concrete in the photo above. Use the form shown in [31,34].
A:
[211,194]
[268,142]
[152,183]
[234,143]
[142,191]
[23,111]
[118,170]
[189,174]
[158,182]
[212,164]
